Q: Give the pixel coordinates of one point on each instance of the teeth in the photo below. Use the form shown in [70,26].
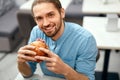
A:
[48,28]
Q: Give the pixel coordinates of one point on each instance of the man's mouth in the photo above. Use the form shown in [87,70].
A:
[49,29]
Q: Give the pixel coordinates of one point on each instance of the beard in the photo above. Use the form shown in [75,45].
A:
[56,30]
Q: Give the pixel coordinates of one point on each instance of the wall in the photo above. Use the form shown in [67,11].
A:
[6,5]
[20,2]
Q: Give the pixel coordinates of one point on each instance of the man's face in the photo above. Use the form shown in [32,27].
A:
[48,18]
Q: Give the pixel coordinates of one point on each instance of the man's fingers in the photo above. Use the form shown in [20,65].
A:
[27,52]
[27,47]
[26,58]
[47,51]
[43,58]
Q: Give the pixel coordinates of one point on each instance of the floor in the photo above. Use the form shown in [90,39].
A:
[114,64]
[8,64]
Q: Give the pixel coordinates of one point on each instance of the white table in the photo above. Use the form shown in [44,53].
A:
[105,40]
[27,5]
[37,77]
[98,7]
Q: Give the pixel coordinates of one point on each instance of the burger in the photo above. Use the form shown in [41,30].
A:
[39,44]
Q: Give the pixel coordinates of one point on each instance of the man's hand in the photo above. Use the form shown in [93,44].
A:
[53,62]
[25,53]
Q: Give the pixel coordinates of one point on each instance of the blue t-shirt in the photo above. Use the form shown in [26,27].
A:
[76,47]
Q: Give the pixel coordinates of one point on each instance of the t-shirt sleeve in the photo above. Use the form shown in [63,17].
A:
[86,60]
[32,66]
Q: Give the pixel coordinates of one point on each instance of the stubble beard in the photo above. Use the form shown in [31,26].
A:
[57,29]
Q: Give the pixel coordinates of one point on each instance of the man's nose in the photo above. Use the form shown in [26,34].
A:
[45,22]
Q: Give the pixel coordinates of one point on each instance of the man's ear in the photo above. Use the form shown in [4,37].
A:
[62,13]
[35,21]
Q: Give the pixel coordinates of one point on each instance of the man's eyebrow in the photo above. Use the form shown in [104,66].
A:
[36,17]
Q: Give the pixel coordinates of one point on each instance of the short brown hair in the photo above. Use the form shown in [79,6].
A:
[56,3]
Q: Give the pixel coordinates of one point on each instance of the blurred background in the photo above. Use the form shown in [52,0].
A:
[16,23]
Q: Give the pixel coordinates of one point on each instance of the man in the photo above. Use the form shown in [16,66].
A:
[72,49]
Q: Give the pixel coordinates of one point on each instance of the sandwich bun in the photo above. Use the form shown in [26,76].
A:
[39,44]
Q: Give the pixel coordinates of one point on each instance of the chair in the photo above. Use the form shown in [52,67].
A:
[98,56]
[74,12]
[26,23]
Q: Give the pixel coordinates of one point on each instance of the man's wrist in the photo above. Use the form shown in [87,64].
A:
[66,71]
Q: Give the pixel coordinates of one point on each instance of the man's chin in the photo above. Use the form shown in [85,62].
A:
[49,35]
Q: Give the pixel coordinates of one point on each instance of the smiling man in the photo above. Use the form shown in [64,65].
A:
[72,49]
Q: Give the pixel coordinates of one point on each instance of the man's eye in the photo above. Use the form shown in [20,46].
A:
[50,15]
[38,18]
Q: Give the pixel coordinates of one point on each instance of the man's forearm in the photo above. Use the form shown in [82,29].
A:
[24,69]
[71,74]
